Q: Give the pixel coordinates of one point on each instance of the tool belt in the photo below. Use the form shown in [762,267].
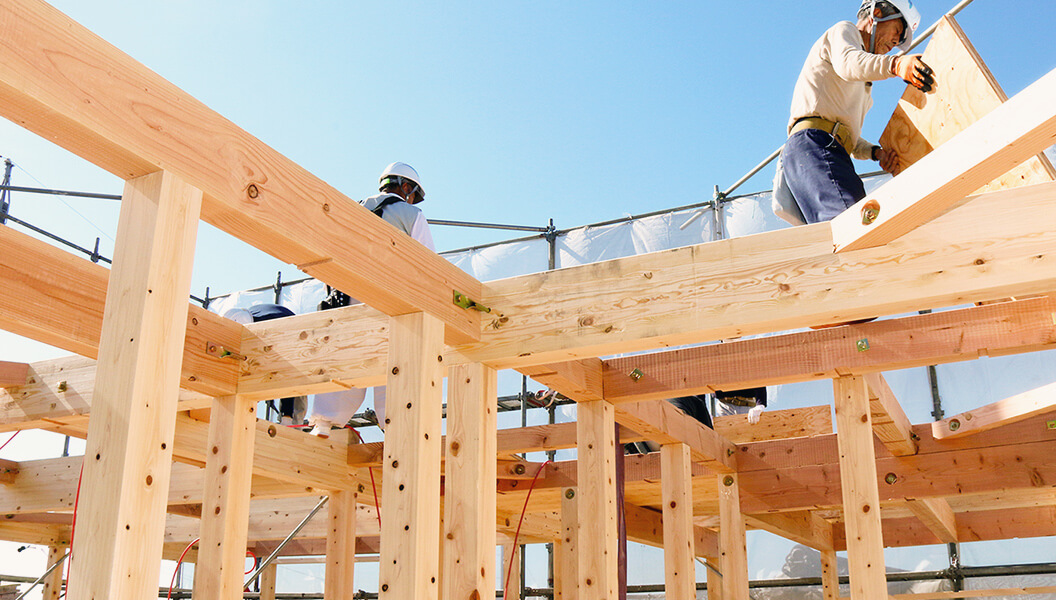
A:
[739,401]
[839,131]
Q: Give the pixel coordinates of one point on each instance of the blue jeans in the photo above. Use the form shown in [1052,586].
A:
[820,174]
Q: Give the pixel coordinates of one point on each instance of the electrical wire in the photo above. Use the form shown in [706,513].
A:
[517,534]
[13,436]
[172,581]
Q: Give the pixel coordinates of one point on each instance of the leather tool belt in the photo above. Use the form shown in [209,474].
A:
[839,131]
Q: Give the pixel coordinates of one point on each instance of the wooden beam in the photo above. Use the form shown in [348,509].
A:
[267,582]
[225,507]
[887,345]
[53,583]
[579,379]
[937,516]
[411,484]
[566,552]
[511,572]
[776,424]
[679,570]
[861,500]
[112,111]
[597,534]
[830,575]
[890,423]
[804,527]
[966,92]
[733,559]
[129,448]
[13,374]
[971,527]
[665,424]
[1003,412]
[1007,136]
[341,544]
[469,495]
[8,471]
[57,298]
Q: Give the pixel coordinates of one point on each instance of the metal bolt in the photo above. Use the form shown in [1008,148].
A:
[870,212]
[62,386]
[1051,424]
[729,452]
[637,374]
[570,493]
[862,344]
[519,469]
[727,480]
[272,431]
[954,424]
[891,478]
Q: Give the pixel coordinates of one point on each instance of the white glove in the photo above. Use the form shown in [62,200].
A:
[755,413]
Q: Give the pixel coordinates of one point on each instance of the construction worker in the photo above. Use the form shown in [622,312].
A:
[401,190]
[830,101]
[292,409]
[751,402]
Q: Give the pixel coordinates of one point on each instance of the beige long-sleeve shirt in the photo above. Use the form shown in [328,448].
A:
[833,82]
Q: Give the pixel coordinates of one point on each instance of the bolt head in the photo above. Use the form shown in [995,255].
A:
[955,425]
[727,480]
[570,493]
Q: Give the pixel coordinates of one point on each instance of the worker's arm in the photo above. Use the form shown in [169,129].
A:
[851,62]
[420,231]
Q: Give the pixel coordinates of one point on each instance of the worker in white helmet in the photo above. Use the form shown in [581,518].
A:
[830,101]
[401,190]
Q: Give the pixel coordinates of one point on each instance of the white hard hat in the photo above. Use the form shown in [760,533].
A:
[239,315]
[398,171]
[906,11]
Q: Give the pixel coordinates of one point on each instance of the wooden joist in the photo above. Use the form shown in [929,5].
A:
[1007,136]
[804,527]
[57,298]
[13,374]
[890,423]
[1003,412]
[937,516]
[663,423]
[62,82]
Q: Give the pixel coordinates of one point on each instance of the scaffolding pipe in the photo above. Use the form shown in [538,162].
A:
[33,190]
[271,557]
[486,225]
[42,577]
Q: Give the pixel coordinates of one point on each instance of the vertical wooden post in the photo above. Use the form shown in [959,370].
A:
[732,543]
[598,537]
[830,575]
[680,580]
[511,572]
[267,582]
[566,554]
[861,497]
[340,544]
[225,507]
[53,584]
[714,579]
[127,461]
[410,526]
[469,498]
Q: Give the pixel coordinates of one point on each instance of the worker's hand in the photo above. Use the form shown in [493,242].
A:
[913,71]
[755,413]
[888,160]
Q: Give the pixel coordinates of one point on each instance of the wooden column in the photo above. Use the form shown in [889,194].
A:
[340,544]
[598,537]
[861,498]
[830,575]
[511,572]
[218,573]
[410,523]
[53,584]
[267,581]
[680,581]
[469,498]
[566,555]
[714,579]
[127,461]
[734,560]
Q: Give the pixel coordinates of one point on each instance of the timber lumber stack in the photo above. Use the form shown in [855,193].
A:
[193,460]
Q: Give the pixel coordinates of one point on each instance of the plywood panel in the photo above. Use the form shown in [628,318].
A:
[965,91]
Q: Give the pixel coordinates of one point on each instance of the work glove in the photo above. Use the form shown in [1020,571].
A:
[913,71]
[755,413]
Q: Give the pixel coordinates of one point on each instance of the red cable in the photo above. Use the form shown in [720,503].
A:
[509,570]
[373,485]
[178,563]
[250,552]
[13,436]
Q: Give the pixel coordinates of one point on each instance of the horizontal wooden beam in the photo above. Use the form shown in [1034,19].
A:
[59,80]
[8,471]
[1003,412]
[663,423]
[645,526]
[1007,136]
[971,527]
[776,424]
[57,298]
[937,516]
[890,423]
[891,344]
[13,374]
[803,527]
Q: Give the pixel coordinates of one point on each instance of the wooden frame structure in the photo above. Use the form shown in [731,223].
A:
[166,394]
